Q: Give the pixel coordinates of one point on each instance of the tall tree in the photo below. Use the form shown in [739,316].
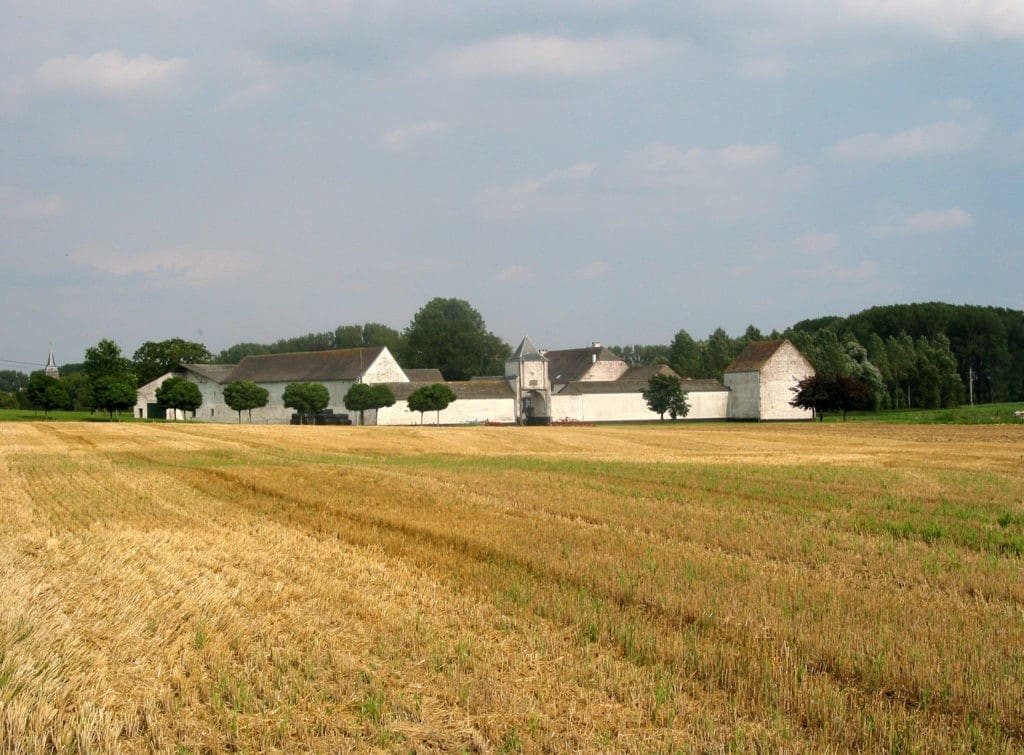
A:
[685,355]
[156,358]
[664,393]
[46,393]
[450,335]
[245,395]
[104,360]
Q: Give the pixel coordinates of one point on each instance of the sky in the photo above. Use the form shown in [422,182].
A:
[577,170]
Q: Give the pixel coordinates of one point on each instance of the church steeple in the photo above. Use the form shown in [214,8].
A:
[51,367]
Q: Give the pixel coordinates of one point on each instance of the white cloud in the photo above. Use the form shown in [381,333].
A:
[944,138]
[817,243]
[553,56]
[192,265]
[509,201]
[592,270]
[674,164]
[109,74]
[403,138]
[18,205]
[934,221]
[947,19]
[513,274]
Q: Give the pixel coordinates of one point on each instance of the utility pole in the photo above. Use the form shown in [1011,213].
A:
[970,383]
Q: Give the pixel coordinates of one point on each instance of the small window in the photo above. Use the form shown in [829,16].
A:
[533,382]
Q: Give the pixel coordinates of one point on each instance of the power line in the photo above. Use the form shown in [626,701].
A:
[26,364]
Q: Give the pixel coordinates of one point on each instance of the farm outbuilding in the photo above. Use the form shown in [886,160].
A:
[761,381]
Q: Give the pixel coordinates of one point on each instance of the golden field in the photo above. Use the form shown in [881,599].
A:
[191,588]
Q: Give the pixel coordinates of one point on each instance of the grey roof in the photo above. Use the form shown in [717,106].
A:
[463,389]
[755,356]
[637,386]
[646,371]
[218,373]
[336,364]
[568,365]
[423,374]
[526,352]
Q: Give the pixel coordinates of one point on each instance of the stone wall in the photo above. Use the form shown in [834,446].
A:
[778,377]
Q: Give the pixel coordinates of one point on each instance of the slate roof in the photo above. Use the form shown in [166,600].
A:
[637,386]
[303,366]
[755,356]
[526,352]
[463,389]
[569,365]
[218,373]
[423,374]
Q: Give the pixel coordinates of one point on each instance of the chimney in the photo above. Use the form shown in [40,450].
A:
[595,345]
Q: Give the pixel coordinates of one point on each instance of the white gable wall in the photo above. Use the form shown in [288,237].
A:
[384,369]
[779,376]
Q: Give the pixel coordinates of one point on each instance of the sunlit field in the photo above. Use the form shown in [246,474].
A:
[801,587]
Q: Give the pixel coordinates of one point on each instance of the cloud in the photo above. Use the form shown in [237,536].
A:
[513,274]
[944,138]
[109,74]
[509,201]
[674,164]
[546,56]
[592,270]
[816,243]
[935,221]
[403,138]
[946,19]
[17,205]
[192,265]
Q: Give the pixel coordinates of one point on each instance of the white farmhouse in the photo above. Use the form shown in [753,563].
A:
[761,381]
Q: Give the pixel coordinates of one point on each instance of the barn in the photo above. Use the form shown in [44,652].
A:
[761,381]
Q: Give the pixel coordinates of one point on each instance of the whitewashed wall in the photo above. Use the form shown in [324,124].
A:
[147,395]
[275,412]
[778,377]
[631,407]
[458,412]
[744,394]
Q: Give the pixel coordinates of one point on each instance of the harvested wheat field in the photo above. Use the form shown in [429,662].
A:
[704,588]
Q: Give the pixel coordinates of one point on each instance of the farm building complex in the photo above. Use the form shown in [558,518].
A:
[591,384]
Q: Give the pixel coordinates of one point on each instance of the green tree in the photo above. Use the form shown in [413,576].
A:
[664,393]
[179,393]
[718,351]
[363,396]
[826,393]
[156,358]
[685,355]
[114,393]
[245,395]
[105,360]
[450,335]
[8,400]
[79,389]
[46,393]
[12,381]
[306,398]
[431,398]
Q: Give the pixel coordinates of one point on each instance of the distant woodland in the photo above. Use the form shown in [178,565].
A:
[924,355]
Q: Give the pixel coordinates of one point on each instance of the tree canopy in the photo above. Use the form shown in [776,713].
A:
[306,398]
[156,358]
[827,393]
[664,393]
[363,396]
[179,393]
[47,393]
[114,392]
[431,398]
[245,395]
[450,335]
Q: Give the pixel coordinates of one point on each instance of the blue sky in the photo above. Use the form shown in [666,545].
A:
[578,170]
